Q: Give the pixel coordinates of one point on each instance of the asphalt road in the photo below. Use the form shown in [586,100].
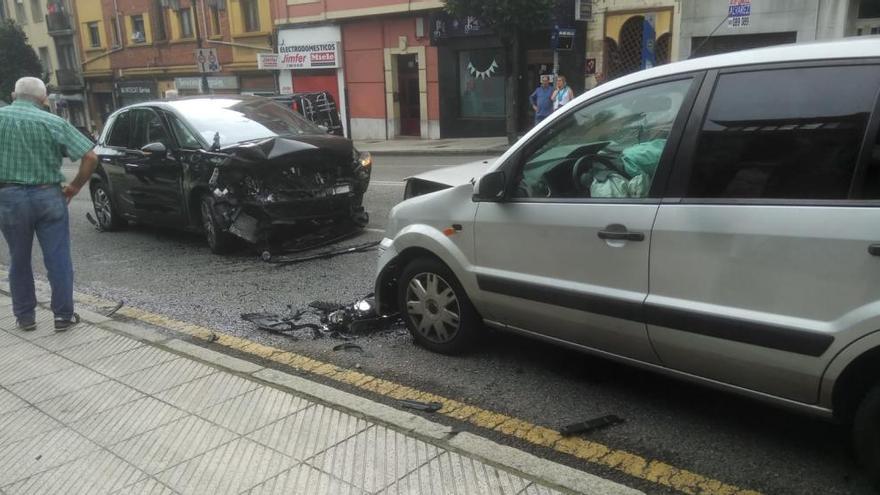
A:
[717,435]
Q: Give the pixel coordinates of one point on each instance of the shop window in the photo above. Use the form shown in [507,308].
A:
[94,34]
[184,16]
[36,11]
[481,83]
[250,13]
[797,138]
[138,32]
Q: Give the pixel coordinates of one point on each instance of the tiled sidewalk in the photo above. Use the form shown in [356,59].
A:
[95,411]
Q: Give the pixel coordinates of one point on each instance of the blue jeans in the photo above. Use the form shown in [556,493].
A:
[40,210]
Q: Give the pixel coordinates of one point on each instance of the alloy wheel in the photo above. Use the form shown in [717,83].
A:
[433,306]
[208,224]
[103,208]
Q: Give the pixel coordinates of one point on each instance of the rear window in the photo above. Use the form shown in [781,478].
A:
[236,121]
[785,134]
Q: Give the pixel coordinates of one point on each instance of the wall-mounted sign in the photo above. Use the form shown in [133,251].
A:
[738,13]
[214,82]
[444,26]
[134,88]
[301,56]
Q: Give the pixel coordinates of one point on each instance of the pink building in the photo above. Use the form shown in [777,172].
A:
[375,56]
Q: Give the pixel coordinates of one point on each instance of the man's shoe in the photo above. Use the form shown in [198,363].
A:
[28,326]
[62,325]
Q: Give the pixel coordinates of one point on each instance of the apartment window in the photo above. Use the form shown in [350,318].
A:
[114,30]
[45,60]
[94,34]
[138,34]
[250,12]
[36,11]
[215,21]
[186,27]
[159,31]
[67,58]
[20,13]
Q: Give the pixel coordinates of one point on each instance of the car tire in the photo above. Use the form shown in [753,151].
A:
[106,213]
[219,241]
[436,309]
[866,433]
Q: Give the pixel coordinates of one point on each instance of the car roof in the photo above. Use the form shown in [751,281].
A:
[861,47]
[174,104]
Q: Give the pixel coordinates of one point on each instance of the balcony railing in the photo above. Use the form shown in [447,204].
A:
[68,79]
[58,23]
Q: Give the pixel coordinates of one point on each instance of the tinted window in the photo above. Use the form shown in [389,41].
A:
[607,149]
[786,134]
[148,128]
[871,188]
[243,120]
[120,133]
[183,134]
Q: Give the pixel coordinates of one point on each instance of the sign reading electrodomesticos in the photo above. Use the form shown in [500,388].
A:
[301,56]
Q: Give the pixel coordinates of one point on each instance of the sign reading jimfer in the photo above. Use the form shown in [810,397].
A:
[301,56]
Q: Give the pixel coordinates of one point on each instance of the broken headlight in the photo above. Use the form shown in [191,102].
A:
[363,162]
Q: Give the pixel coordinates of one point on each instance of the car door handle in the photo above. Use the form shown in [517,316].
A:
[874,249]
[610,235]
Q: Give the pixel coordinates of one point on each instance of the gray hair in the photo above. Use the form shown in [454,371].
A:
[30,88]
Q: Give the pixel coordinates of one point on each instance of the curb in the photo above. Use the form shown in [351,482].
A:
[438,152]
[542,470]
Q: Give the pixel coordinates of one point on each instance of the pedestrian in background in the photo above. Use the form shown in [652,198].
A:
[32,201]
[562,94]
[542,99]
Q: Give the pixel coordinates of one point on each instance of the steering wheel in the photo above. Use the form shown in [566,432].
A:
[582,166]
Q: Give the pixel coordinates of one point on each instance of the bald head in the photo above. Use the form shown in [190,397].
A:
[30,88]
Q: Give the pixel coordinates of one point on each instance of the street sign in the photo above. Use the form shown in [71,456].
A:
[207,61]
[738,13]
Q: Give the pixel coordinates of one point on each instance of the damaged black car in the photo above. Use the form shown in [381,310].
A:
[232,167]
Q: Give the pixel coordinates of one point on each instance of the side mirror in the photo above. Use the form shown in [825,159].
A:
[324,128]
[155,150]
[490,188]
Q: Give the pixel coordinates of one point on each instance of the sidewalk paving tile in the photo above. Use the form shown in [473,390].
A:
[375,458]
[228,469]
[47,364]
[10,338]
[10,402]
[147,487]
[167,375]
[207,391]
[172,444]
[45,326]
[254,409]
[93,351]
[55,384]
[25,423]
[304,479]
[88,401]
[97,473]
[20,352]
[23,459]
[78,335]
[309,432]
[130,361]
[128,420]
[453,473]
[536,489]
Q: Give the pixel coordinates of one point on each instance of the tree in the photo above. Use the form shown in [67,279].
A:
[17,58]
[509,19]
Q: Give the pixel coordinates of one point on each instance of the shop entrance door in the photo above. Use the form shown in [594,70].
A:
[408,95]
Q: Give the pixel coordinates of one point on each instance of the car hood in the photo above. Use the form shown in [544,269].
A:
[271,149]
[456,175]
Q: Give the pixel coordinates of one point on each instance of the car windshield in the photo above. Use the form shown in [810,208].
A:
[236,121]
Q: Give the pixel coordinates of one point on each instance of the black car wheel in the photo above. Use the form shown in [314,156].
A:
[105,213]
[436,308]
[218,239]
[866,433]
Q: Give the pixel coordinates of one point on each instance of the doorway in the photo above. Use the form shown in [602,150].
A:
[409,98]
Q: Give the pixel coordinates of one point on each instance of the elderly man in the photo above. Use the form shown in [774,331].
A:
[32,201]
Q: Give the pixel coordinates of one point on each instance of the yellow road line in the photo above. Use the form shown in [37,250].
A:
[654,471]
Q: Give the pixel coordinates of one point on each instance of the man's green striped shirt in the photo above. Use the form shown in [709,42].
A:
[33,143]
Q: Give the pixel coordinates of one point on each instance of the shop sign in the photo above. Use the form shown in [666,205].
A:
[135,88]
[214,82]
[444,26]
[301,56]
[738,13]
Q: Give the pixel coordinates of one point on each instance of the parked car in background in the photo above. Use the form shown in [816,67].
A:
[317,107]
[230,166]
[716,220]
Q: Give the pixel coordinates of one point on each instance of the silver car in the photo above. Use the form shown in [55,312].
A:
[716,219]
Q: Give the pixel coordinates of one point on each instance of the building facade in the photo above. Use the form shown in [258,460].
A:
[50,31]
[138,50]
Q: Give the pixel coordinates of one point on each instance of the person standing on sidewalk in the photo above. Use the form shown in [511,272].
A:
[563,93]
[32,201]
[542,99]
